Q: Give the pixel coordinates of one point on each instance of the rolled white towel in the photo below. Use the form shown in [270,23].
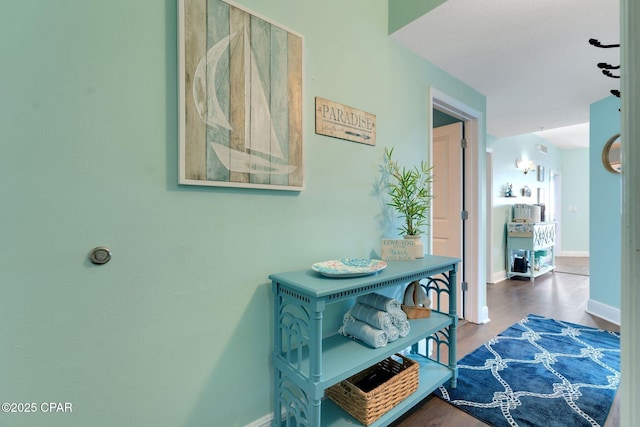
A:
[380,302]
[374,317]
[398,317]
[393,333]
[399,320]
[404,329]
[366,333]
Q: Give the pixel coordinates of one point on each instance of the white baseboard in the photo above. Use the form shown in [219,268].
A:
[578,254]
[604,311]
[262,422]
[499,276]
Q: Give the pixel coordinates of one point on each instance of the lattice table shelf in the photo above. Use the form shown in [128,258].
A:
[307,360]
[536,243]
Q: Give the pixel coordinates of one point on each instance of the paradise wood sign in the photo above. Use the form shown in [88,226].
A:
[340,121]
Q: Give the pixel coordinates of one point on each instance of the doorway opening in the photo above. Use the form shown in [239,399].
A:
[555,205]
[473,253]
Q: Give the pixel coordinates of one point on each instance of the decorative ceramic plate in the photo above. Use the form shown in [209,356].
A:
[349,267]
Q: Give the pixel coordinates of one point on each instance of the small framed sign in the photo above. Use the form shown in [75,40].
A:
[340,121]
[398,249]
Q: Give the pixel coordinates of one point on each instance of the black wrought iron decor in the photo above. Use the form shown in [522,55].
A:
[606,67]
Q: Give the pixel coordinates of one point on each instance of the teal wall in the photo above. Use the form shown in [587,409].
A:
[403,12]
[605,189]
[443,119]
[175,330]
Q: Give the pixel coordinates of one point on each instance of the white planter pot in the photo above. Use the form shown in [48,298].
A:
[418,248]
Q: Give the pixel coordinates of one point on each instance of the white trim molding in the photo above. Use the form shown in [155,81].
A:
[604,311]
[499,276]
[577,254]
[485,315]
[264,421]
[630,130]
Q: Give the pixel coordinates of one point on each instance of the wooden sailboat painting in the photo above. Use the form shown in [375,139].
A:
[240,99]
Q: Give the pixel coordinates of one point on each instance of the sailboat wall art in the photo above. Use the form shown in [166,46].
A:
[240,98]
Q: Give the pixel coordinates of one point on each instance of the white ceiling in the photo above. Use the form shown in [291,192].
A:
[532,59]
[567,137]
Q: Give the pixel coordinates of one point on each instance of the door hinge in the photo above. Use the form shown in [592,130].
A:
[464,286]
[463,143]
[464,215]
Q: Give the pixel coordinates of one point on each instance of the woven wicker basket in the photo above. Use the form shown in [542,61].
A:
[414,312]
[368,407]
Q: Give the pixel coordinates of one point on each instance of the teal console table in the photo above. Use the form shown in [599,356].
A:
[537,241]
[305,363]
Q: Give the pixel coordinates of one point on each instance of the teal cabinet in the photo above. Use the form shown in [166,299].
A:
[306,364]
[530,249]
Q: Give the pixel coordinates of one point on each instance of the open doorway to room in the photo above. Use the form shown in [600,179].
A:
[555,206]
[472,303]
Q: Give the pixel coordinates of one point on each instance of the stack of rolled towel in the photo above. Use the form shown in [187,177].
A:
[376,320]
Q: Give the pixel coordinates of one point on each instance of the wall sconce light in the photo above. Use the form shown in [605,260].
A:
[525,165]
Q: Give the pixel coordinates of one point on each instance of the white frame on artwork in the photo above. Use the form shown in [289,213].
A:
[241,125]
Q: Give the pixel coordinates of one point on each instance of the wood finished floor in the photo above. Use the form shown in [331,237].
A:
[558,295]
[573,265]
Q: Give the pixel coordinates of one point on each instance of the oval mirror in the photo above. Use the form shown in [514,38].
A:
[612,154]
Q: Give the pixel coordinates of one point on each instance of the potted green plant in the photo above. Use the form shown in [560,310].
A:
[410,190]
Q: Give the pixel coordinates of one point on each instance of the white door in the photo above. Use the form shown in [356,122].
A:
[447,203]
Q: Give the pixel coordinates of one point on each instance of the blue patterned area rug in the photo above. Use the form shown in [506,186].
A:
[540,372]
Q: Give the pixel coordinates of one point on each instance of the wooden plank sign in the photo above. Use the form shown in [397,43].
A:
[398,249]
[340,121]
[240,88]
